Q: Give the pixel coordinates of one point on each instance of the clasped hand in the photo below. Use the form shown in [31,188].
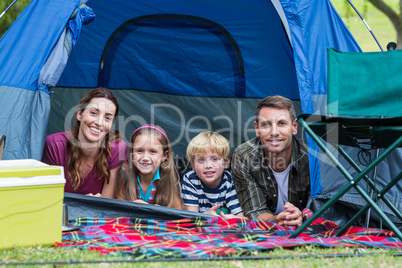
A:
[291,216]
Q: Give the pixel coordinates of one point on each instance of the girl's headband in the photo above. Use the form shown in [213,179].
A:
[153,127]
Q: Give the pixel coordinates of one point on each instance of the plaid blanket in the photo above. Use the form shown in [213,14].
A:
[196,238]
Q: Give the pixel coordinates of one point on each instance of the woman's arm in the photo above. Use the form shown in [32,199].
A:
[108,190]
[119,156]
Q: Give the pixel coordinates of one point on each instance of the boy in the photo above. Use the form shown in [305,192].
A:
[208,187]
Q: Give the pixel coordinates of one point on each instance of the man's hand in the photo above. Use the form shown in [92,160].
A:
[291,216]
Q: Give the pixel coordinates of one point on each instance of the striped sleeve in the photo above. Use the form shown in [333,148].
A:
[231,196]
[188,190]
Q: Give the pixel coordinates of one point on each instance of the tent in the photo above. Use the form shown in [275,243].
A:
[188,66]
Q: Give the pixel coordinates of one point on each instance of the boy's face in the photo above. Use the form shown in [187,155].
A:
[209,168]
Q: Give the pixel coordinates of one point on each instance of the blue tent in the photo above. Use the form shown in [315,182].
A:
[188,66]
[33,53]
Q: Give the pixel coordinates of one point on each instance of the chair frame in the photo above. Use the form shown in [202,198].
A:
[318,126]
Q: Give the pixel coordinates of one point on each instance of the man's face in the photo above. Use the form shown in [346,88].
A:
[275,129]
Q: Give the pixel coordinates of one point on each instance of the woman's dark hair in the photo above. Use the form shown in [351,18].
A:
[73,145]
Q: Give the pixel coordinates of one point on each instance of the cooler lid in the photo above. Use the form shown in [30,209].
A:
[28,172]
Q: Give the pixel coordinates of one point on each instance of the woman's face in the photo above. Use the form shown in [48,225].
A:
[96,120]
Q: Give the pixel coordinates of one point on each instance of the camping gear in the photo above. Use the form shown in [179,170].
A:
[364,112]
[31,194]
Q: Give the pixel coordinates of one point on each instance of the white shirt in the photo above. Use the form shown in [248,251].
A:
[282,179]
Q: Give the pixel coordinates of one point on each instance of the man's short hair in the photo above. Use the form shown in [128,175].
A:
[208,141]
[278,102]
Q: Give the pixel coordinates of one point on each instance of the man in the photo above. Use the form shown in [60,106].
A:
[271,172]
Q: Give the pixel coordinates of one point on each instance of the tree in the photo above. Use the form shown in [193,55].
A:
[10,16]
[395,18]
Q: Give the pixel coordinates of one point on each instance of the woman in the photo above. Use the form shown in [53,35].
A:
[91,153]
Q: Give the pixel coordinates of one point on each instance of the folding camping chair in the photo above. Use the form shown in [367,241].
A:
[364,97]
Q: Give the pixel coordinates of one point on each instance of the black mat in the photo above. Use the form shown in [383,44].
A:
[90,206]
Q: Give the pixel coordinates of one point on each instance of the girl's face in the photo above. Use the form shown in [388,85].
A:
[148,155]
[96,120]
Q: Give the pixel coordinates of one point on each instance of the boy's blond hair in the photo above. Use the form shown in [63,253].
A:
[208,141]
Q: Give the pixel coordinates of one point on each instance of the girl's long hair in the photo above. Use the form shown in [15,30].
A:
[74,150]
[167,187]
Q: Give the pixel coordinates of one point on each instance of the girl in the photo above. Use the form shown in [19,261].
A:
[91,153]
[150,175]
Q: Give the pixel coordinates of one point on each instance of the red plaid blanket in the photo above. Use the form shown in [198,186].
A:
[196,238]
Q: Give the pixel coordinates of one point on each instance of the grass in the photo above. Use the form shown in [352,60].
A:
[47,256]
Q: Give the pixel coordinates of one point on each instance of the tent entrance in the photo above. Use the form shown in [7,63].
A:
[160,53]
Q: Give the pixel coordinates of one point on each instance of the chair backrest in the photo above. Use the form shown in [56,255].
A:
[364,83]
[2,144]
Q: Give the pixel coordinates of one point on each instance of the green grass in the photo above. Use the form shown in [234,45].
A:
[298,257]
[380,24]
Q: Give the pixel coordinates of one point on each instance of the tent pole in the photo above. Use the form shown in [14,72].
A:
[4,12]
[365,23]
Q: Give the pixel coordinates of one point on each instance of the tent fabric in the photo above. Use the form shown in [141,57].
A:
[89,206]
[346,208]
[29,41]
[54,66]
[23,120]
[26,48]
[57,60]
[352,200]
[231,117]
[163,50]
